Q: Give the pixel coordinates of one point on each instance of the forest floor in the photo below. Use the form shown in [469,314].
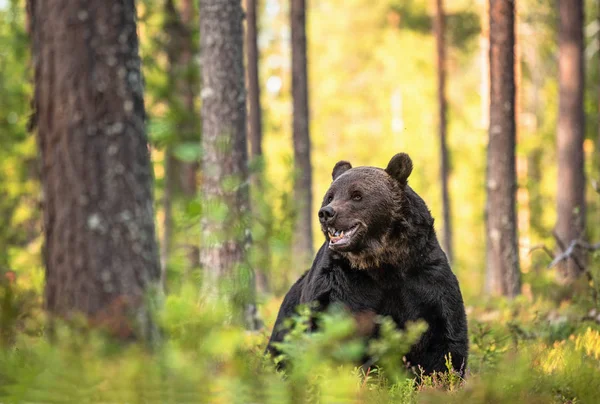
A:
[543,346]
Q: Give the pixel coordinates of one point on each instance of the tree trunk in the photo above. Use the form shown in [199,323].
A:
[225,227]
[254,110]
[484,49]
[189,170]
[570,134]
[255,135]
[167,202]
[503,275]
[442,122]
[101,254]
[181,57]
[180,175]
[303,249]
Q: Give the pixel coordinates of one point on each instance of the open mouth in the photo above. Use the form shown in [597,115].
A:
[339,238]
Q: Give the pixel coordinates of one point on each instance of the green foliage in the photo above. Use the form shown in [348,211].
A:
[393,345]
[19,202]
[204,357]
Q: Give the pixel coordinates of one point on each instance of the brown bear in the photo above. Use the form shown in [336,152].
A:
[381,255]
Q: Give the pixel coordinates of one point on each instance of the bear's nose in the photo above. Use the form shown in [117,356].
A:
[326,213]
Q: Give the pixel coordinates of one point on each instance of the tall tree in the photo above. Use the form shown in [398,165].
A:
[254,110]
[179,175]
[255,134]
[570,196]
[484,49]
[503,275]
[303,168]
[101,255]
[225,227]
[443,123]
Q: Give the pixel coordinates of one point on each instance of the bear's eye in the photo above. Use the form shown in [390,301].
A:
[356,196]
[329,199]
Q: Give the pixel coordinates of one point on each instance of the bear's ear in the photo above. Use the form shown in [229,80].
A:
[340,168]
[400,167]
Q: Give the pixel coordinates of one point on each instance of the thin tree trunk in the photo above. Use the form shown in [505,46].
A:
[503,275]
[442,122]
[255,134]
[167,202]
[225,226]
[101,255]
[570,133]
[188,91]
[189,170]
[484,45]
[254,110]
[181,175]
[303,249]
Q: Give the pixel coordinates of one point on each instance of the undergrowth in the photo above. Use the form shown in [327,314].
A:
[521,351]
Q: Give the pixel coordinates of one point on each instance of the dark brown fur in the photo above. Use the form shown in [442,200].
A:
[392,265]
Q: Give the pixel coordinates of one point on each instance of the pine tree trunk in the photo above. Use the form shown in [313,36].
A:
[254,110]
[570,194]
[303,249]
[503,275]
[101,255]
[167,202]
[484,49]
[187,89]
[442,122]
[225,227]
[255,134]
[189,170]
[180,176]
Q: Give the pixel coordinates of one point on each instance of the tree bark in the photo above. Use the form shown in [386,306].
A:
[439,26]
[254,110]
[302,247]
[503,275]
[484,49]
[101,255]
[180,54]
[180,176]
[255,135]
[570,133]
[225,227]
[167,202]
[189,170]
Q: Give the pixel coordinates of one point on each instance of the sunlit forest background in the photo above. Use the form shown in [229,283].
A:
[372,85]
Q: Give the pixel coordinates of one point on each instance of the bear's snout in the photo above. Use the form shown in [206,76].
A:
[326,214]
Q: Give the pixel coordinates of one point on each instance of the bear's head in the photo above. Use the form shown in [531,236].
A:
[367,213]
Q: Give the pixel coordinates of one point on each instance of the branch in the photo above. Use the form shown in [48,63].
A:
[566,253]
[541,247]
[571,250]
